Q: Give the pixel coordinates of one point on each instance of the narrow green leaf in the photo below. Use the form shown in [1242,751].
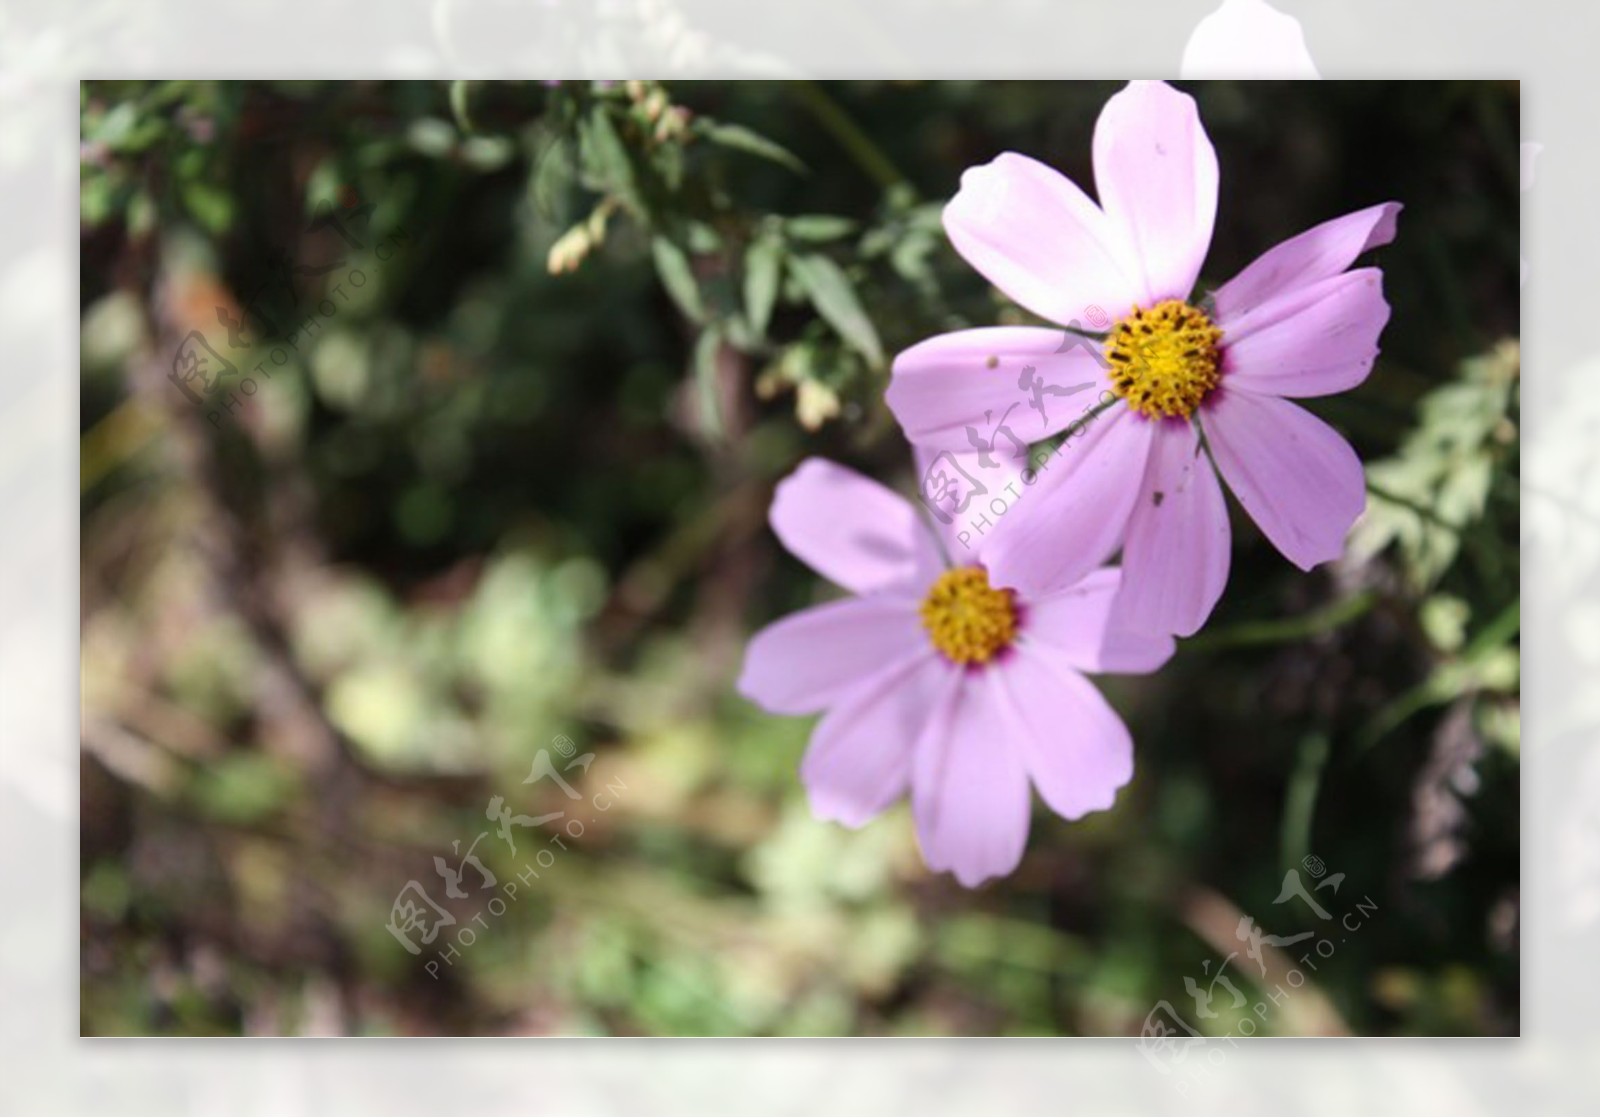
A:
[763,268]
[834,296]
[705,375]
[740,138]
[818,227]
[678,276]
[459,91]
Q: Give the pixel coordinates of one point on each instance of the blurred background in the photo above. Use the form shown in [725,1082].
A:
[428,431]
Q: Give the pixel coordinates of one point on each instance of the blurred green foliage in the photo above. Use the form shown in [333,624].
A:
[514,488]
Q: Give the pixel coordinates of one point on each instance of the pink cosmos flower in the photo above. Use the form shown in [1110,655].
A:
[1295,323]
[936,683]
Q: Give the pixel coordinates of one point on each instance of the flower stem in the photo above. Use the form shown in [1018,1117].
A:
[1407,503]
[1300,802]
[1288,629]
[868,156]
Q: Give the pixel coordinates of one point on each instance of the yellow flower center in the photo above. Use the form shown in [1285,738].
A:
[1164,360]
[966,618]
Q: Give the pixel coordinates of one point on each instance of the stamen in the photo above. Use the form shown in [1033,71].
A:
[1165,359]
[967,619]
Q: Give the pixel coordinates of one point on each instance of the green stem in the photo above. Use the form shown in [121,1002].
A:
[1407,503]
[1092,335]
[1285,630]
[1300,802]
[868,156]
[1437,688]
[1497,633]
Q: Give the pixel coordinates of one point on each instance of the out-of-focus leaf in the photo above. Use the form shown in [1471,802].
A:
[606,164]
[244,788]
[432,136]
[460,91]
[551,177]
[95,199]
[124,129]
[834,296]
[1444,619]
[487,153]
[141,214]
[1427,495]
[666,160]
[324,186]
[672,265]
[818,227]
[740,138]
[763,268]
[705,375]
[210,205]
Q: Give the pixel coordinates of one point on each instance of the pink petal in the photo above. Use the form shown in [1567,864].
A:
[956,488]
[1073,517]
[955,388]
[1313,341]
[1296,476]
[969,791]
[859,760]
[1156,173]
[1035,235]
[1074,746]
[1320,252]
[1074,624]
[1175,561]
[853,531]
[808,660]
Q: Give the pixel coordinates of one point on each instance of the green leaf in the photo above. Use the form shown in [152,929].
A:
[739,137]
[244,789]
[141,214]
[834,296]
[606,163]
[818,227]
[763,268]
[487,153]
[323,186]
[123,129]
[433,137]
[459,91]
[551,179]
[678,276]
[96,198]
[666,161]
[705,375]
[210,205]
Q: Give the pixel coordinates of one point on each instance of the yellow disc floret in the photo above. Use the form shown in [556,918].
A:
[966,618]
[1164,360]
